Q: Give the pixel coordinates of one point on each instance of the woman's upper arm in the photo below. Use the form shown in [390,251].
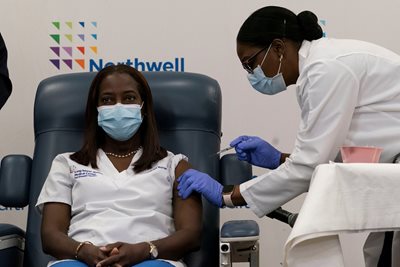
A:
[188,212]
[55,217]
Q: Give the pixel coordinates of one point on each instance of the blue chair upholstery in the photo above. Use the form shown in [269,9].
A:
[233,170]
[14,182]
[239,238]
[188,113]
[11,245]
[15,175]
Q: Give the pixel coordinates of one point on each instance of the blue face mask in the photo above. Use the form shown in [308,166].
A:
[267,85]
[119,121]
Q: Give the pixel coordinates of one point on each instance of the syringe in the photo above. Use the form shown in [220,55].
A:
[225,149]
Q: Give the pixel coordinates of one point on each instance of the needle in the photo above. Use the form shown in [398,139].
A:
[225,149]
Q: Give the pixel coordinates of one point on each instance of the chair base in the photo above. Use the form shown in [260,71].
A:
[242,251]
[239,243]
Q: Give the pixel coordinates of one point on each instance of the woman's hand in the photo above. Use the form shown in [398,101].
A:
[91,254]
[124,254]
[192,180]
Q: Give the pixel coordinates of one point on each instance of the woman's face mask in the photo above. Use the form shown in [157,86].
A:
[264,84]
[120,121]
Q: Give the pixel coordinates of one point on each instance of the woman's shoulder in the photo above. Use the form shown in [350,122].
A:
[170,154]
[172,158]
[63,158]
[64,155]
[174,155]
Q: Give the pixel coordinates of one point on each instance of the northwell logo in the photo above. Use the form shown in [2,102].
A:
[74,47]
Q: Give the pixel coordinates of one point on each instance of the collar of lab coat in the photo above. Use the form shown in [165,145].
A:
[303,53]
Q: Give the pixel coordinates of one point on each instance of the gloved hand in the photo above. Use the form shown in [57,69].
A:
[192,180]
[256,151]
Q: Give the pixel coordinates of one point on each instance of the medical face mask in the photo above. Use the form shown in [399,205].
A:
[267,85]
[119,121]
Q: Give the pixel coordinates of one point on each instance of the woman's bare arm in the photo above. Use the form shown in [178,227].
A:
[55,222]
[55,241]
[188,223]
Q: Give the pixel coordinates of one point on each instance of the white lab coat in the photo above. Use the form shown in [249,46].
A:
[108,206]
[349,94]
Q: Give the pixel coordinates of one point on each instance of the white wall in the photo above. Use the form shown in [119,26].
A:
[201,32]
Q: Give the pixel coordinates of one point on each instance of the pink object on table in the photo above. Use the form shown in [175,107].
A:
[358,154]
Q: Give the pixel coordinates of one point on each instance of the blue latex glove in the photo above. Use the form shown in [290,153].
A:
[192,180]
[256,151]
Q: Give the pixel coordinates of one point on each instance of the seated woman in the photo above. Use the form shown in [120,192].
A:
[115,202]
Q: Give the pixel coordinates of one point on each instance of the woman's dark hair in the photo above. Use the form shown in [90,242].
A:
[271,22]
[94,135]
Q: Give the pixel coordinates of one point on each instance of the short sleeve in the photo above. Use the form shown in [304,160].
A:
[58,184]
[173,162]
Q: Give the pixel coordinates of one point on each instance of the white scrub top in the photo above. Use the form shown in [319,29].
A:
[349,94]
[108,206]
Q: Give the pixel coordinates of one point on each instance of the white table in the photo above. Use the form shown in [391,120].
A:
[343,198]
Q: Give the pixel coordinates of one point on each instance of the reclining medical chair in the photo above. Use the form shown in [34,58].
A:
[188,113]
[239,238]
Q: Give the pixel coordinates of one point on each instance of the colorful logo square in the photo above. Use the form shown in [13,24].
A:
[73,43]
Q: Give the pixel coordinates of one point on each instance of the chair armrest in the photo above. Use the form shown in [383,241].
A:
[9,229]
[234,171]
[15,174]
[11,236]
[12,245]
[240,230]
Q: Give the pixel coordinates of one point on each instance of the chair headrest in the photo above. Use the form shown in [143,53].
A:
[181,101]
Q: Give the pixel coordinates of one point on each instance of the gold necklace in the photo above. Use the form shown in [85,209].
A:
[123,155]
